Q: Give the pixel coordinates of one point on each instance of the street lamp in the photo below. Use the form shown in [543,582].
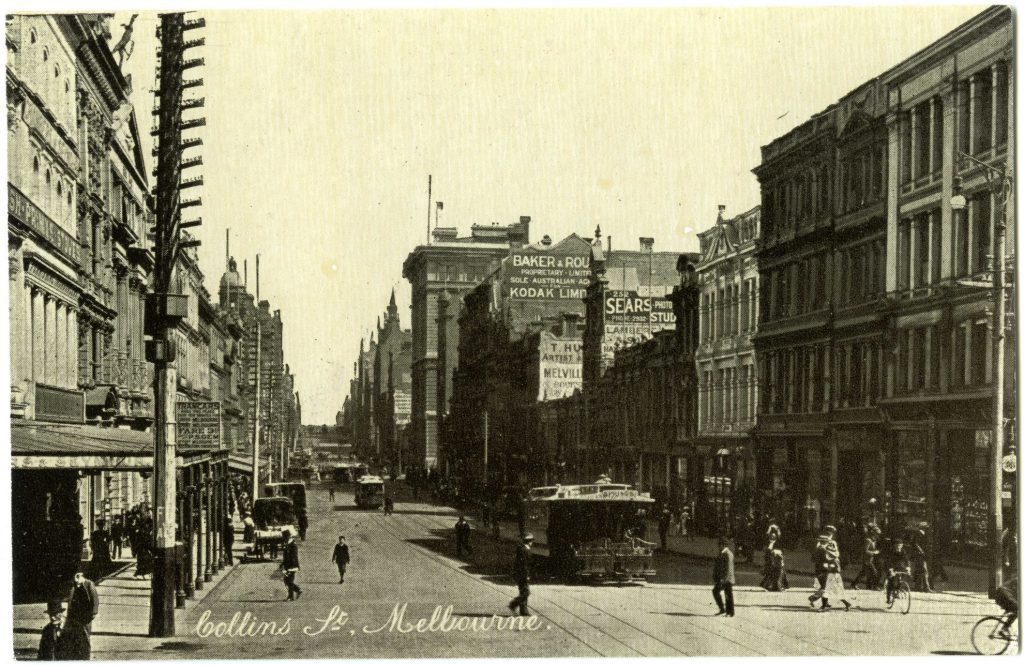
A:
[1000,185]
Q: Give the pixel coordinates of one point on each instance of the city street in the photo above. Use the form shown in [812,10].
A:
[408,558]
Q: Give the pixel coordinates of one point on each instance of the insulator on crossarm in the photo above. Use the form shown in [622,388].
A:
[193,43]
[191,83]
[189,203]
[191,161]
[191,182]
[193,123]
[194,62]
[191,142]
[191,223]
[195,103]
[193,23]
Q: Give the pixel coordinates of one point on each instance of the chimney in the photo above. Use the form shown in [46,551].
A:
[445,233]
[524,221]
[570,325]
[721,214]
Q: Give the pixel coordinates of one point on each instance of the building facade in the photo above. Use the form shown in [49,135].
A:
[875,360]
[392,369]
[453,265]
[726,367]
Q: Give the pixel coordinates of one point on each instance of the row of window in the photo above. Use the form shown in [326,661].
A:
[785,203]
[728,310]
[49,74]
[965,360]
[53,190]
[727,395]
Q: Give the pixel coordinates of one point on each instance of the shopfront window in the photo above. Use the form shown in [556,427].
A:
[912,476]
[968,483]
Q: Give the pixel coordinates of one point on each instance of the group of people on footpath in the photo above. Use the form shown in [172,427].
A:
[68,635]
[134,529]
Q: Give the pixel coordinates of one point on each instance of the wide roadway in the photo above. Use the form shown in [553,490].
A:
[408,560]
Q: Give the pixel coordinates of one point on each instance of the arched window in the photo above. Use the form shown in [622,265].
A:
[46,54]
[56,71]
[60,188]
[69,196]
[35,164]
[67,86]
[32,37]
[47,176]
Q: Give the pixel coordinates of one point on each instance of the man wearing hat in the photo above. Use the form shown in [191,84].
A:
[820,559]
[868,570]
[54,643]
[724,577]
[521,574]
[290,565]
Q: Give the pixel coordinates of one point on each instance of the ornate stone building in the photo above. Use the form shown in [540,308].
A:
[726,369]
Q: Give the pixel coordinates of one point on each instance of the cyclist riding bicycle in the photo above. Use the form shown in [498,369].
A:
[899,562]
[1006,598]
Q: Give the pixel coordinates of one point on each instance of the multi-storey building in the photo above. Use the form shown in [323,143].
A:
[951,100]
[726,368]
[453,265]
[875,362]
[392,376]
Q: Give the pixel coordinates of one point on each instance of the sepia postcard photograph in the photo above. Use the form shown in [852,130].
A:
[411,333]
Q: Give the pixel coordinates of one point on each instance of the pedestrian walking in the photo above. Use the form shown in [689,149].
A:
[462,537]
[724,577]
[117,537]
[868,569]
[290,565]
[55,643]
[389,505]
[228,534]
[664,521]
[821,569]
[100,542]
[341,558]
[521,575]
[919,562]
[330,493]
[83,606]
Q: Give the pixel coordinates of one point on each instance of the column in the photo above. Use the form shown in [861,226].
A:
[948,220]
[931,135]
[995,104]
[892,123]
[182,562]
[49,351]
[914,249]
[989,350]
[826,365]
[59,350]
[913,145]
[188,531]
[928,341]
[973,113]
[73,335]
[208,527]
[38,336]
[930,221]
[970,237]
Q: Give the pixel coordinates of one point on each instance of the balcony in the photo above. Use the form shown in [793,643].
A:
[59,405]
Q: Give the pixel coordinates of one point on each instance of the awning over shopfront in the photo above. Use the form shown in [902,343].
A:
[240,464]
[37,445]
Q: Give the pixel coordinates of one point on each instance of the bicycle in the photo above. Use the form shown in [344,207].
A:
[992,635]
[899,595]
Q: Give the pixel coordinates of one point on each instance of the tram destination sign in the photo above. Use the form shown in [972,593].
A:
[198,425]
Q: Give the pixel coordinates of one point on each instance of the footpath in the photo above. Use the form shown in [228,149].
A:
[123,620]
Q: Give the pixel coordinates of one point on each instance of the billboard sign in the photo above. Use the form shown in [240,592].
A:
[631,318]
[198,424]
[560,365]
[534,276]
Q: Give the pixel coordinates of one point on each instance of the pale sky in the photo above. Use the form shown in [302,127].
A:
[323,125]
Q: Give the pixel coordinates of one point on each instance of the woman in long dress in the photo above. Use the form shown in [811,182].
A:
[834,590]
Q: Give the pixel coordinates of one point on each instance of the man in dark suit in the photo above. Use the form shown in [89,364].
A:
[54,643]
[341,558]
[290,565]
[724,578]
[521,574]
[83,607]
[462,537]
[822,567]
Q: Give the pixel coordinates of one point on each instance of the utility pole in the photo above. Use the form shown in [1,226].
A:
[164,309]
[259,400]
